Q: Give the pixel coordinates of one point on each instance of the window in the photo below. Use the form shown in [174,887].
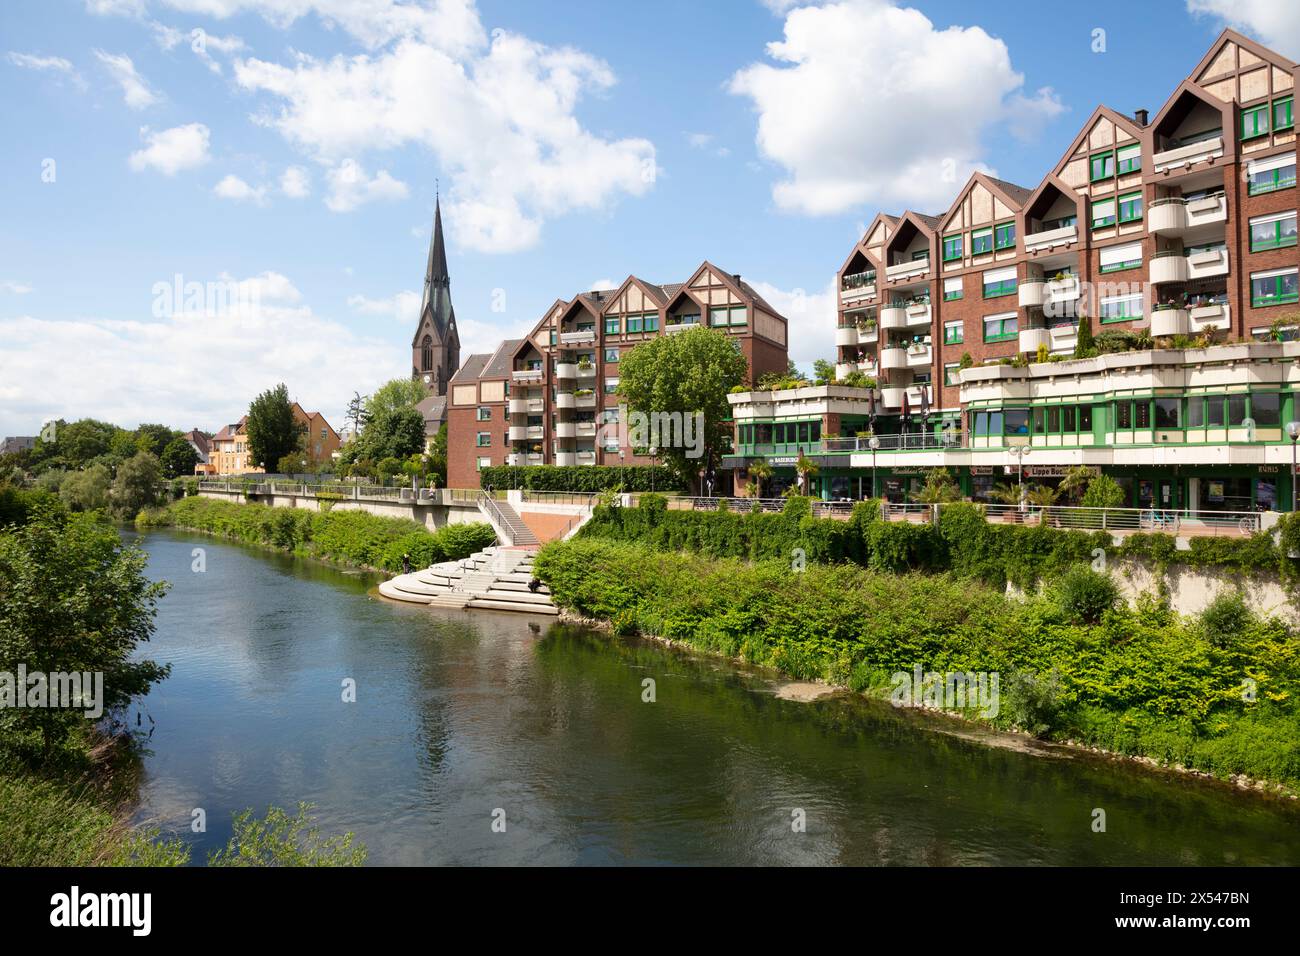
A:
[484,463]
[1121,308]
[1054,419]
[981,241]
[952,247]
[1142,414]
[1102,166]
[999,328]
[1282,116]
[552,336]
[1266,408]
[1196,412]
[1167,412]
[952,373]
[634,323]
[999,282]
[1267,175]
[613,325]
[650,322]
[611,386]
[1273,232]
[1004,236]
[951,289]
[1103,213]
[611,355]
[719,317]
[484,439]
[1214,411]
[1123,414]
[1236,410]
[953,333]
[484,414]
[1128,159]
[1254,122]
[735,315]
[920,255]
[1067,418]
[1130,207]
[1117,258]
[1276,287]
[1017,421]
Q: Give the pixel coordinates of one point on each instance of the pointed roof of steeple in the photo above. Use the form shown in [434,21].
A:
[436,302]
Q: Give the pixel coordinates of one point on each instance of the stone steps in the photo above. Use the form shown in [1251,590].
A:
[495,578]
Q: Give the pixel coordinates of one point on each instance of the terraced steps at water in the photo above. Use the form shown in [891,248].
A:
[494,578]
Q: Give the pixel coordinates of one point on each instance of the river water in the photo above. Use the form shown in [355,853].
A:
[465,720]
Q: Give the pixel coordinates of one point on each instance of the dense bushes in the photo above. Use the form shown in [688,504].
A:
[1139,681]
[582,478]
[352,537]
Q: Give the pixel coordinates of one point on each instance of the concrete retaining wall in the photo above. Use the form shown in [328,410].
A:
[432,516]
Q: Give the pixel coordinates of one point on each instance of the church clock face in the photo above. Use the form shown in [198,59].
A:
[427,379]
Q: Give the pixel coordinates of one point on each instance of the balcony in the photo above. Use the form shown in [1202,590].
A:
[894,316]
[846,335]
[868,336]
[566,370]
[918,314]
[518,406]
[1065,289]
[534,458]
[566,430]
[1205,318]
[1183,157]
[566,458]
[844,369]
[1175,216]
[892,396]
[1165,322]
[583,337]
[514,460]
[586,401]
[1168,267]
[1051,238]
[586,429]
[586,458]
[908,270]
[680,326]
[518,432]
[1032,339]
[1211,262]
[893,358]
[527,375]
[919,356]
[858,285]
[1032,293]
[565,400]
[586,371]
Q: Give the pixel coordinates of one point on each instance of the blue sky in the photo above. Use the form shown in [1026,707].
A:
[575,141]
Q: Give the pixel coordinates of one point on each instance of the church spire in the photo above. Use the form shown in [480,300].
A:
[435,348]
[435,273]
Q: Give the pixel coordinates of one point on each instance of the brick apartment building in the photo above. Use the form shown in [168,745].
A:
[541,399]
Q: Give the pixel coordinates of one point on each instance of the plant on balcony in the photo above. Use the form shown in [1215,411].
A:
[940,487]
[966,361]
[1084,345]
[1041,355]
[583,392]
[858,379]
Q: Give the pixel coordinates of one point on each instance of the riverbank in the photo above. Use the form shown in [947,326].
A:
[352,538]
[1214,693]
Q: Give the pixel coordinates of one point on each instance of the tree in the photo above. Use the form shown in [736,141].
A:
[282,840]
[87,490]
[689,373]
[394,434]
[394,395]
[759,472]
[940,487]
[823,372]
[807,470]
[1076,481]
[1084,345]
[435,461]
[356,414]
[1103,492]
[74,599]
[178,458]
[273,432]
[155,438]
[136,485]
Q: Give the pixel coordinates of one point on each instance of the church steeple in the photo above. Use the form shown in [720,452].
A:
[436,346]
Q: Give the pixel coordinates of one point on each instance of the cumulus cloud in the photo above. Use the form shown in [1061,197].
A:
[404,307]
[128,370]
[868,102]
[812,317]
[135,90]
[14,286]
[54,65]
[232,187]
[172,150]
[1274,23]
[295,182]
[350,186]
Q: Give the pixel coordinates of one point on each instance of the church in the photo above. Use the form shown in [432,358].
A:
[435,348]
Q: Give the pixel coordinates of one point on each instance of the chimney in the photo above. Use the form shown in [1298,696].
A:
[1142,117]
[736,276]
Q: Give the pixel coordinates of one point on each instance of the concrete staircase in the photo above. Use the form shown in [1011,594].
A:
[509,526]
[495,578]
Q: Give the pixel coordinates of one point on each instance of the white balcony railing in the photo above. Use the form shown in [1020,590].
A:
[1204,265]
[919,356]
[1170,160]
[566,370]
[893,316]
[527,375]
[1174,216]
[893,358]
[1032,293]
[565,400]
[1031,339]
[581,337]
[907,270]
[846,335]
[1202,318]
[1168,268]
[1169,322]
[1050,238]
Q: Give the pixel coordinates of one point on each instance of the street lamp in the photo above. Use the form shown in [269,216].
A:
[1018,452]
[1293,430]
[654,454]
[873,443]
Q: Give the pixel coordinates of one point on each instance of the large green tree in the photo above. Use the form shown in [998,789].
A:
[178,458]
[273,432]
[395,395]
[73,599]
[136,485]
[688,372]
[87,490]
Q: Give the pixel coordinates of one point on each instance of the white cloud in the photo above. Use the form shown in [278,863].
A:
[14,286]
[295,182]
[1274,23]
[232,187]
[811,317]
[603,284]
[868,102]
[350,186]
[704,141]
[135,90]
[404,307]
[122,8]
[32,61]
[133,371]
[172,150]
[500,119]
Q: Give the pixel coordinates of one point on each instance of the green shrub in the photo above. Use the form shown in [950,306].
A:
[1085,594]
[587,479]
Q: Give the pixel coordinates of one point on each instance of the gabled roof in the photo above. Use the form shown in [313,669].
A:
[1128,124]
[499,365]
[655,292]
[1011,195]
[1188,88]
[1051,179]
[1258,49]
[470,369]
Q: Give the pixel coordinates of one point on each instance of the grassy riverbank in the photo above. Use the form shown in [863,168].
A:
[348,537]
[1074,662]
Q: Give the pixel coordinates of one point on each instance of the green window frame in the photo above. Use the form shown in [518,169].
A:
[1001,328]
[1101,165]
[952,247]
[611,356]
[1278,289]
[1270,180]
[1254,121]
[552,336]
[1283,115]
[1103,214]
[952,374]
[484,413]
[995,290]
[954,333]
[650,322]
[484,440]
[719,317]
[1004,235]
[1130,207]
[981,241]
[633,323]
[613,325]
[950,296]
[1121,308]
[1128,159]
[1273,235]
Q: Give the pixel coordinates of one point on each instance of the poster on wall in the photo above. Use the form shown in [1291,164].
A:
[1215,492]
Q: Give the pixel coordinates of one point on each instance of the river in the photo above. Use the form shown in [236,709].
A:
[462,720]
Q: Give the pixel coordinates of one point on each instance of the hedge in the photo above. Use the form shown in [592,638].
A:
[351,537]
[582,478]
[1137,681]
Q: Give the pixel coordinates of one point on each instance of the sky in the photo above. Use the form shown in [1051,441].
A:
[200,199]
